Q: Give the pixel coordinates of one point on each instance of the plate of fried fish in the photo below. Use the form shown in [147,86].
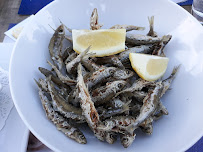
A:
[85,75]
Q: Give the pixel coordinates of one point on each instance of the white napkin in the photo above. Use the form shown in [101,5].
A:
[6,102]
[14,134]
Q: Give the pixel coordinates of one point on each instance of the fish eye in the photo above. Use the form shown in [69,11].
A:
[128,72]
[111,136]
[111,71]
[82,137]
[120,85]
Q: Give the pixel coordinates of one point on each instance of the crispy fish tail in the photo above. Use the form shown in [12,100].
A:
[151,32]
[94,24]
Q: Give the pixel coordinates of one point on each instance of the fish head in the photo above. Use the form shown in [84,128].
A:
[110,70]
[60,30]
[80,137]
[119,85]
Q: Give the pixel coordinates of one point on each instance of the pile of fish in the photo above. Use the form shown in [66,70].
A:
[104,93]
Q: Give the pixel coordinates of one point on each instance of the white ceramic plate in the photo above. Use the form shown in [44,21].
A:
[176,132]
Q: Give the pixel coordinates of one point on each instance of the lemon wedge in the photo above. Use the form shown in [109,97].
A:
[103,42]
[148,67]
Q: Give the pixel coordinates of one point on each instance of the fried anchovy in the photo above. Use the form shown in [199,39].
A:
[161,110]
[139,95]
[113,59]
[123,74]
[88,108]
[112,112]
[167,82]
[89,64]
[116,124]
[105,93]
[71,57]
[159,49]
[63,107]
[127,139]
[99,75]
[146,126]
[73,64]
[55,79]
[142,39]
[150,104]
[64,79]
[136,86]
[116,103]
[61,123]
[66,52]
[56,45]
[127,27]
[145,49]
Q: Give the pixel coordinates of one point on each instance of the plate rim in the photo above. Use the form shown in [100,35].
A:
[184,148]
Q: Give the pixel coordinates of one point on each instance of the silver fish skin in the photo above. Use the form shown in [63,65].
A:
[161,110]
[61,90]
[136,86]
[99,75]
[60,101]
[64,89]
[112,112]
[145,49]
[123,74]
[55,79]
[43,84]
[61,123]
[147,126]
[90,65]
[117,124]
[139,95]
[113,60]
[106,93]
[149,106]
[65,53]
[116,103]
[70,66]
[141,39]
[87,106]
[64,79]
[128,27]
[56,45]
[167,82]
[159,49]
[71,57]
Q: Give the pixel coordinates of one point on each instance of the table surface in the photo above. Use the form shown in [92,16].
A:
[9,14]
